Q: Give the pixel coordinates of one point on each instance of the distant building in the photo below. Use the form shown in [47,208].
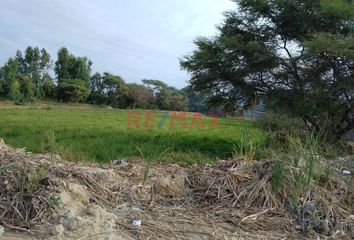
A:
[255,112]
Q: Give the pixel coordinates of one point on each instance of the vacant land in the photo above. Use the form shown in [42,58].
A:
[103,135]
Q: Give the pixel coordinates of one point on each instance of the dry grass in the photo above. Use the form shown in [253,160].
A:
[227,200]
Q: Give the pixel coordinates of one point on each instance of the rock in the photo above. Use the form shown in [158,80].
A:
[76,223]
[298,227]
[310,218]
[309,208]
[57,230]
[93,200]
[73,223]
[2,230]
[321,226]
[120,163]
[348,138]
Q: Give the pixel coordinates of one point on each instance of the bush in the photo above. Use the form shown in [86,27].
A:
[14,91]
[282,125]
[73,90]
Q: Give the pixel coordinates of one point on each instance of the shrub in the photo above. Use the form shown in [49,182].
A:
[72,90]
[282,125]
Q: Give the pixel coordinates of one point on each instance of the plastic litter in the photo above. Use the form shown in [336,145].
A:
[346,172]
[136,223]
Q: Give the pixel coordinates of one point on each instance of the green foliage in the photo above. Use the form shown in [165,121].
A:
[151,155]
[54,200]
[107,89]
[113,89]
[10,74]
[26,87]
[29,181]
[282,125]
[337,10]
[49,90]
[246,147]
[14,91]
[73,74]
[167,98]
[23,77]
[50,145]
[70,67]
[138,96]
[301,165]
[73,90]
[34,65]
[331,44]
[254,146]
[297,55]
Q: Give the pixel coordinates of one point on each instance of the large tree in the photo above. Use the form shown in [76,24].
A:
[69,66]
[296,54]
[11,80]
[25,76]
[138,96]
[73,74]
[107,89]
[34,67]
[166,97]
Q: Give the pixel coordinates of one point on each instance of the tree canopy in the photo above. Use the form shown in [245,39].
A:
[295,54]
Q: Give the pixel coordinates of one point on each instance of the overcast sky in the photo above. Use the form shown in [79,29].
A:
[135,39]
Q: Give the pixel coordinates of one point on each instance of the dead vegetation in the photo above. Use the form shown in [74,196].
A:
[235,199]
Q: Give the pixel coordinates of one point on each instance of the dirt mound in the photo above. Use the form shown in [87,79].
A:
[47,198]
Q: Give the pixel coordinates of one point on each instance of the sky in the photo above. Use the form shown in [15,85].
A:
[136,39]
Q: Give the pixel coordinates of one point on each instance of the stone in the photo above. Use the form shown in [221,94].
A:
[348,138]
[321,226]
[120,163]
[73,223]
[93,200]
[57,230]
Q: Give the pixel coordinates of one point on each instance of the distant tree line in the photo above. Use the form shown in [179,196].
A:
[26,77]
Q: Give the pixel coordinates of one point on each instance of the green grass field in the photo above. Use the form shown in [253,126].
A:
[102,135]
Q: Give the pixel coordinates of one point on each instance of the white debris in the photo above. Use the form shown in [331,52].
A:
[136,223]
[346,172]
[2,230]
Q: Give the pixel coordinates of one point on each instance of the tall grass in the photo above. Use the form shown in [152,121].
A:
[153,156]
[301,164]
[50,145]
[253,146]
